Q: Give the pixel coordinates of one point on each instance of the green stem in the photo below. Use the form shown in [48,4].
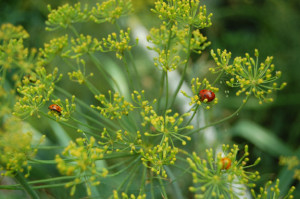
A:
[195,111]
[137,76]
[128,75]
[105,74]
[185,67]
[83,104]
[69,125]
[128,166]
[161,90]
[222,120]
[90,86]
[217,79]
[162,186]
[83,124]
[142,189]
[176,187]
[167,97]
[74,30]
[20,178]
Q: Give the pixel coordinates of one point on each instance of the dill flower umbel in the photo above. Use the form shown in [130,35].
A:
[67,109]
[110,10]
[9,31]
[197,86]
[115,107]
[126,196]
[251,77]
[35,95]
[84,154]
[15,148]
[213,179]
[272,191]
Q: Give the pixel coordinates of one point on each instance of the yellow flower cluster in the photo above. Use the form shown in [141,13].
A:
[253,78]
[197,86]
[14,54]
[9,31]
[56,46]
[198,42]
[125,196]
[84,44]
[168,126]
[35,95]
[116,43]
[222,61]
[166,40]
[187,11]
[66,15]
[293,163]
[66,109]
[81,163]
[120,141]
[156,157]
[211,177]
[115,107]
[15,148]
[110,10]
[272,191]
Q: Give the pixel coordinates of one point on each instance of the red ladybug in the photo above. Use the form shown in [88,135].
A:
[56,108]
[226,163]
[206,94]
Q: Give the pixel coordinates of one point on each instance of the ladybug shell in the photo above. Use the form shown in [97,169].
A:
[226,163]
[206,94]
[56,108]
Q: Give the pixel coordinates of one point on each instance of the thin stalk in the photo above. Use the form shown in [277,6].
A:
[162,186]
[83,104]
[49,147]
[50,185]
[167,98]
[20,178]
[128,75]
[161,90]
[218,77]
[125,179]
[222,120]
[83,124]
[128,166]
[151,186]
[184,70]
[175,185]
[74,30]
[69,125]
[195,111]
[90,86]
[129,182]
[142,189]
[137,76]
[105,74]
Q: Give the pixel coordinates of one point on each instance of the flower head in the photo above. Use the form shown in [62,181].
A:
[84,154]
[198,86]
[254,78]
[211,179]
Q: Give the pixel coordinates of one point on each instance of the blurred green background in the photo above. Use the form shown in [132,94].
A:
[271,26]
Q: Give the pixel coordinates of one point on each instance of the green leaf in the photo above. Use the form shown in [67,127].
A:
[262,138]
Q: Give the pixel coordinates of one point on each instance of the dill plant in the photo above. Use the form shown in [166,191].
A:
[132,145]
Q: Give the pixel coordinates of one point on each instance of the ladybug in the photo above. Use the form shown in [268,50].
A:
[226,163]
[56,108]
[206,94]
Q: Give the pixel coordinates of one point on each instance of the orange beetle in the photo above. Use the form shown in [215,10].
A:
[56,108]
[226,163]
